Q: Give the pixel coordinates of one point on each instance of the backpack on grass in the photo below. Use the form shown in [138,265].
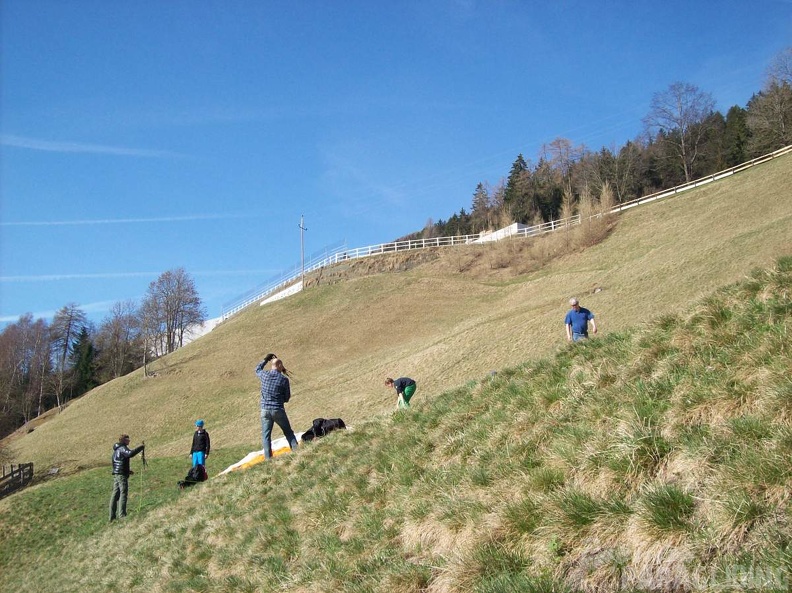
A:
[321,426]
[196,474]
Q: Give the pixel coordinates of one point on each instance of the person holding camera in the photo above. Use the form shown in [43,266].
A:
[275,392]
[121,472]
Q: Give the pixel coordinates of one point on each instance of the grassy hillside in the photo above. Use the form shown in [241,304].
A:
[432,322]
[657,458]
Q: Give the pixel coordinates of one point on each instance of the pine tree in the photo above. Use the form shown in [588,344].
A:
[517,196]
[480,211]
[735,136]
[83,364]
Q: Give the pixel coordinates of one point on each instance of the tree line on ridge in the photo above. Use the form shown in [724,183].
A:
[683,138]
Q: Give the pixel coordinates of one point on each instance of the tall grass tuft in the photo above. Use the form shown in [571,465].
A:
[576,509]
[666,508]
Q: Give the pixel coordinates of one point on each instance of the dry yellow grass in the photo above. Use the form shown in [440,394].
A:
[427,320]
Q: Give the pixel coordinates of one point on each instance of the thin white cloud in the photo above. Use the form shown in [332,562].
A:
[79,147]
[60,277]
[97,307]
[234,272]
[191,218]
[15,318]
[117,275]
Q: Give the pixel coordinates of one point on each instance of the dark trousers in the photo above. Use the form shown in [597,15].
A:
[119,498]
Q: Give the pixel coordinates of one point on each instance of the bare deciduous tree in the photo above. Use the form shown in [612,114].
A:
[606,200]
[769,113]
[501,215]
[562,156]
[681,112]
[780,70]
[170,308]
[567,212]
[769,119]
[118,339]
[429,229]
[25,366]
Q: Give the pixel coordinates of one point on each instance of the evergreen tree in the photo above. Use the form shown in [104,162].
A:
[66,326]
[517,197]
[597,169]
[547,192]
[480,212]
[83,364]
[713,147]
[735,136]
[500,215]
[627,181]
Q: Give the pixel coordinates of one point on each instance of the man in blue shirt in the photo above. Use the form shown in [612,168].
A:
[577,320]
[275,392]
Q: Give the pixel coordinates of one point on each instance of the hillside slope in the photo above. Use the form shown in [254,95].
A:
[657,459]
[440,326]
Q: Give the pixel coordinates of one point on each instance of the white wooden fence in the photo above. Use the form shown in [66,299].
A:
[315,261]
[339,254]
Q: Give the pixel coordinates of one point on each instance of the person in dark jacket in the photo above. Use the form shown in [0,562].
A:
[405,388]
[200,444]
[275,392]
[121,472]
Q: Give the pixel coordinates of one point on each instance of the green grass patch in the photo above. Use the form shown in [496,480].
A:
[667,509]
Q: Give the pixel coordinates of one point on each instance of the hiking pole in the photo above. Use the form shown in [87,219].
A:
[142,471]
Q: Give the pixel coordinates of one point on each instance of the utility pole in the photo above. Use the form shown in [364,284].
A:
[302,250]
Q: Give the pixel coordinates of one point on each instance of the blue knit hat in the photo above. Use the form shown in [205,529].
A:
[199,423]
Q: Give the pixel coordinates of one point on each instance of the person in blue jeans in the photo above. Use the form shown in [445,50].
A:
[577,321]
[275,392]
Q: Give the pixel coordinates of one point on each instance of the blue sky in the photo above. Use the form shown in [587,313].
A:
[138,137]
